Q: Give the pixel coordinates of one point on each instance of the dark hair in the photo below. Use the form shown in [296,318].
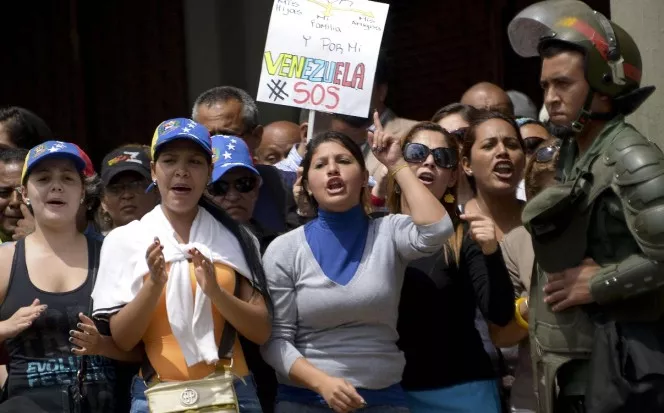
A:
[93,188]
[394,193]
[521,122]
[249,249]
[538,174]
[471,135]
[222,94]
[11,155]
[320,139]
[354,121]
[24,128]
[466,112]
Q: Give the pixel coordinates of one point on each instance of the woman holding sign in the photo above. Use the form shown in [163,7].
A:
[336,282]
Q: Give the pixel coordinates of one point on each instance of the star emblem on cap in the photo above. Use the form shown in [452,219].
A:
[233,141]
[186,130]
[230,146]
[227,155]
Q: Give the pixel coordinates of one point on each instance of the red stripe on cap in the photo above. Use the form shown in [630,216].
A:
[89,168]
[602,47]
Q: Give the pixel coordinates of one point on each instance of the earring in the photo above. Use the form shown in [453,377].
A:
[27,202]
[448,198]
[470,172]
[82,200]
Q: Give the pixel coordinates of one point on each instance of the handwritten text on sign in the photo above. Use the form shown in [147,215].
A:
[321,54]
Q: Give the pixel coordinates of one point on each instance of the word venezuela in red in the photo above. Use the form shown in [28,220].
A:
[316,70]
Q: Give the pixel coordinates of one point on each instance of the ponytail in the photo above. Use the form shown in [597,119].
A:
[249,248]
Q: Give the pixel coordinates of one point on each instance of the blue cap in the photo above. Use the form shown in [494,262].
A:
[181,128]
[50,150]
[230,152]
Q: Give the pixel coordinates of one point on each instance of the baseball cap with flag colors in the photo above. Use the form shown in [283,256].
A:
[180,128]
[230,152]
[57,149]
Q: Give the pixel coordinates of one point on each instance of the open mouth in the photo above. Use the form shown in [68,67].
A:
[335,185]
[504,169]
[55,202]
[181,189]
[426,178]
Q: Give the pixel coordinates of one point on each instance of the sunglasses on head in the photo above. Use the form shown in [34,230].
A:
[242,185]
[458,134]
[530,144]
[443,157]
[546,154]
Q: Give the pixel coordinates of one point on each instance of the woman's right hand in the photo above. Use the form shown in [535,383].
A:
[304,207]
[340,395]
[21,320]
[156,262]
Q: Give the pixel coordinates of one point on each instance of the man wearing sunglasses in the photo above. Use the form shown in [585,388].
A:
[235,187]
[11,165]
[598,239]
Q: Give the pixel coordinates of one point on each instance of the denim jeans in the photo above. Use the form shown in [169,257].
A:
[290,407]
[246,396]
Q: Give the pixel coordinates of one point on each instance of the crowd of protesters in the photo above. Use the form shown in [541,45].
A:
[380,265]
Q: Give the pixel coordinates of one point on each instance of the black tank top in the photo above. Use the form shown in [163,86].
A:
[41,365]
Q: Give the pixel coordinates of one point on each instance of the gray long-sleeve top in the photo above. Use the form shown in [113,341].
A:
[345,331]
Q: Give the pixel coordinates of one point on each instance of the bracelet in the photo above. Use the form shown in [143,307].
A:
[517,314]
[400,167]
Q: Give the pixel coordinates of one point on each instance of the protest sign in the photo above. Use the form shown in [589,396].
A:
[321,54]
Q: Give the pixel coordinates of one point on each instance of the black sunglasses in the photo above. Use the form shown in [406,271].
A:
[242,185]
[546,154]
[459,134]
[443,157]
[531,143]
[133,187]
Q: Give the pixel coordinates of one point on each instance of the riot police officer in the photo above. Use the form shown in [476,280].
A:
[598,235]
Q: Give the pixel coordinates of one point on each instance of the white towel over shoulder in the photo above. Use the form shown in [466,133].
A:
[123,266]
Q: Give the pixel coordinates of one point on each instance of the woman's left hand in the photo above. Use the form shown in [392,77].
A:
[88,340]
[205,272]
[385,147]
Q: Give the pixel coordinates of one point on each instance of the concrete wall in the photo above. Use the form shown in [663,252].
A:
[644,20]
[225,40]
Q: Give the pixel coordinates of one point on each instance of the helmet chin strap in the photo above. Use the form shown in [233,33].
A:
[568,147]
[585,115]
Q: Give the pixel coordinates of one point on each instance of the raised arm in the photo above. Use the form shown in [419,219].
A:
[425,209]
[129,325]
[247,313]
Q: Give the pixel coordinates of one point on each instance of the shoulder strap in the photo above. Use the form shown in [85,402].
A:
[94,248]
[18,263]
[228,336]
